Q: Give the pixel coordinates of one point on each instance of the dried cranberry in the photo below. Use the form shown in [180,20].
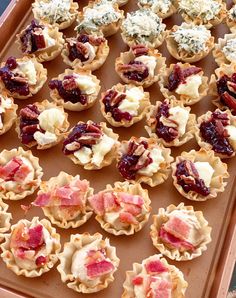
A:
[83,38]
[137,73]
[40,261]
[11,63]
[124,166]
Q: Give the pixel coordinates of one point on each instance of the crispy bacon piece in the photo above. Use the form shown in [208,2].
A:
[128,218]
[110,202]
[14,170]
[177,227]
[127,198]
[97,203]
[99,269]
[137,280]
[161,289]
[155,267]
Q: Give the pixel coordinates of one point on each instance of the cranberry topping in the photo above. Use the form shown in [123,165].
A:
[226,87]
[214,133]
[40,261]
[188,177]
[82,135]
[136,158]
[29,123]
[32,38]
[13,82]
[112,100]
[178,76]
[68,90]
[167,133]
[135,70]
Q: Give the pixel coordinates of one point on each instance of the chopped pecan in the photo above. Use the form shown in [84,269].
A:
[69,83]
[30,112]
[96,41]
[139,50]
[231,86]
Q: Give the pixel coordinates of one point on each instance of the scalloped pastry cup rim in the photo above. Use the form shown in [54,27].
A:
[170,12]
[7,218]
[218,54]
[230,22]
[9,114]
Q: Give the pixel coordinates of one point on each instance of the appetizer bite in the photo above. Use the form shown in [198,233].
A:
[231,19]
[123,209]
[20,174]
[180,233]
[87,263]
[144,160]
[189,42]
[91,145]
[143,26]
[42,124]
[5,218]
[119,2]
[154,277]
[75,90]
[31,248]
[7,112]
[23,77]
[225,50]
[170,123]
[124,105]
[140,66]
[163,8]
[199,175]
[63,200]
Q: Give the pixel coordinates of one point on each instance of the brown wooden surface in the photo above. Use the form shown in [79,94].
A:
[199,273]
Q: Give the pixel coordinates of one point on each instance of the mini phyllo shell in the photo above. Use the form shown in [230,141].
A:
[100,16]
[189,42]
[42,124]
[163,8]
[180,233]
[85,51]
[31,248]
[122,209]
[124,105]
[55,12]
[143,160]
[231,19]
[225,49]
[199,175]
[217,131]
[208,13]
[119,2]
[64,200]
[44,42]
[23,77]
[20,174]
[143,26]
[5,218]
[7,112]
[87,263]
[91,145]
[154,277]
[185,82]
[75,90]
[170,123]
[140,66]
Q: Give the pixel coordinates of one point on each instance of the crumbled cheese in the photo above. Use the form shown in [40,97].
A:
[205,171]
[154,166]
[131,103]
[231,131]
[85,83]
[101,149]
[51,119]
[191,39]
[149,61]
[206,10]
[230,50]
[162,6]
[190,87]
[143,25]
[179,115]
[27,70]
[232,13]
[44,138]
[5,104]
[50,42]
[84,155]
[55,11]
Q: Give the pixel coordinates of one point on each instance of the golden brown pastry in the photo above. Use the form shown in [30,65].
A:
[163,8]
[7,112]
[225,50]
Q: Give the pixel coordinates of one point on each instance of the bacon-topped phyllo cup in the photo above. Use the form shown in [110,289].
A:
[87,263]
[122,209]
[180,233]
[31,248]
[154,277]
[63,200]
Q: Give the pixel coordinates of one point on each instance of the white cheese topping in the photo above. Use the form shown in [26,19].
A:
[232,13]
[51,119]
[50,42]
[131,103]
[191,86]
[179,115]
[92,52]
[85,83]
[230,50]
[149,61]
[27,70]
[84,155]
[205,171]
[232,132]
[192,40]
[5,104]
[44,138]
[154,166]
[162,6]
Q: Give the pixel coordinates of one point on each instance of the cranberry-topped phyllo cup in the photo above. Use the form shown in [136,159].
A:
[41,41]
[144,160]
[180,233]
[163,9]
[21,78]
[170,122]
[217,131]
[124,105]
[87,263]
[42,124]
[91,145]
[63,200]
[5,218]
[154,277]
[223,87]
[7,112]
[199,175]
[31,248]
[75,90]
[20,174]
[140,66]
[122,209]
[185,82]
[85,51]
